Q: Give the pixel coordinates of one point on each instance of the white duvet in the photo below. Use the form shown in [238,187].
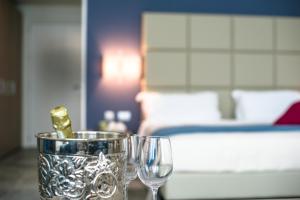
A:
[236,152]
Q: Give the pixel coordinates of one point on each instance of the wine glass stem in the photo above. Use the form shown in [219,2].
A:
[154,193]
[126,191]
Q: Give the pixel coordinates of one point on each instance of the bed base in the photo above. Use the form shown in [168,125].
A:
[183,185]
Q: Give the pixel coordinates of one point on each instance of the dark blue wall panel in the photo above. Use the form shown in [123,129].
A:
[117,23]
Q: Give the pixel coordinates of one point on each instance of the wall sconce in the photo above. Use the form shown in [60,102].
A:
[121,66]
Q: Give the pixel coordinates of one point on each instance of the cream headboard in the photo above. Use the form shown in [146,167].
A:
[192,52]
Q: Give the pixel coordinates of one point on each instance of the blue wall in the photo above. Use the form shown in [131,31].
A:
[117,23]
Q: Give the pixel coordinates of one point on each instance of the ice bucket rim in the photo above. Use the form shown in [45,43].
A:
[107,136]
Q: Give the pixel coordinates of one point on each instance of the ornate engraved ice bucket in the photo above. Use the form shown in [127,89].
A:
[90,166]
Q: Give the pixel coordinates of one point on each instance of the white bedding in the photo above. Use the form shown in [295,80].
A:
[237,152]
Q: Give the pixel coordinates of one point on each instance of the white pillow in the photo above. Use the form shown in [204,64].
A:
[263,106]
[179,107]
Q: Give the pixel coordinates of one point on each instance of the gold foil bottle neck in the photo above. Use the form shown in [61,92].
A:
[61,122]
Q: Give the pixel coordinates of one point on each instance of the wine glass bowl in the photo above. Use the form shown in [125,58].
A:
[132,158]
[155,162]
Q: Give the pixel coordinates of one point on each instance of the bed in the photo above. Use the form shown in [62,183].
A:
[231,161]
[224,158]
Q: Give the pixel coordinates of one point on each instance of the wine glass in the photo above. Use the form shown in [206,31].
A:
[132,161]
[155,162]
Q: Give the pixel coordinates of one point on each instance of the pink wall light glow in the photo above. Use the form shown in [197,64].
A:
[121,67]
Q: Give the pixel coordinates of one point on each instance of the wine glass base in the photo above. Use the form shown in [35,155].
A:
[149,195]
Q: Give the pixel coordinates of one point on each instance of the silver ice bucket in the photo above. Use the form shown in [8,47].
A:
[90,166]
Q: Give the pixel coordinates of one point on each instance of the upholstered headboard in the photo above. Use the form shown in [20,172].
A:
[192,52]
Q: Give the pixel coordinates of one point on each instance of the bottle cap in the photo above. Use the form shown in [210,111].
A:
[61,121]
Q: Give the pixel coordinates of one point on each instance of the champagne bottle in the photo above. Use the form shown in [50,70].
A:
[61,122]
